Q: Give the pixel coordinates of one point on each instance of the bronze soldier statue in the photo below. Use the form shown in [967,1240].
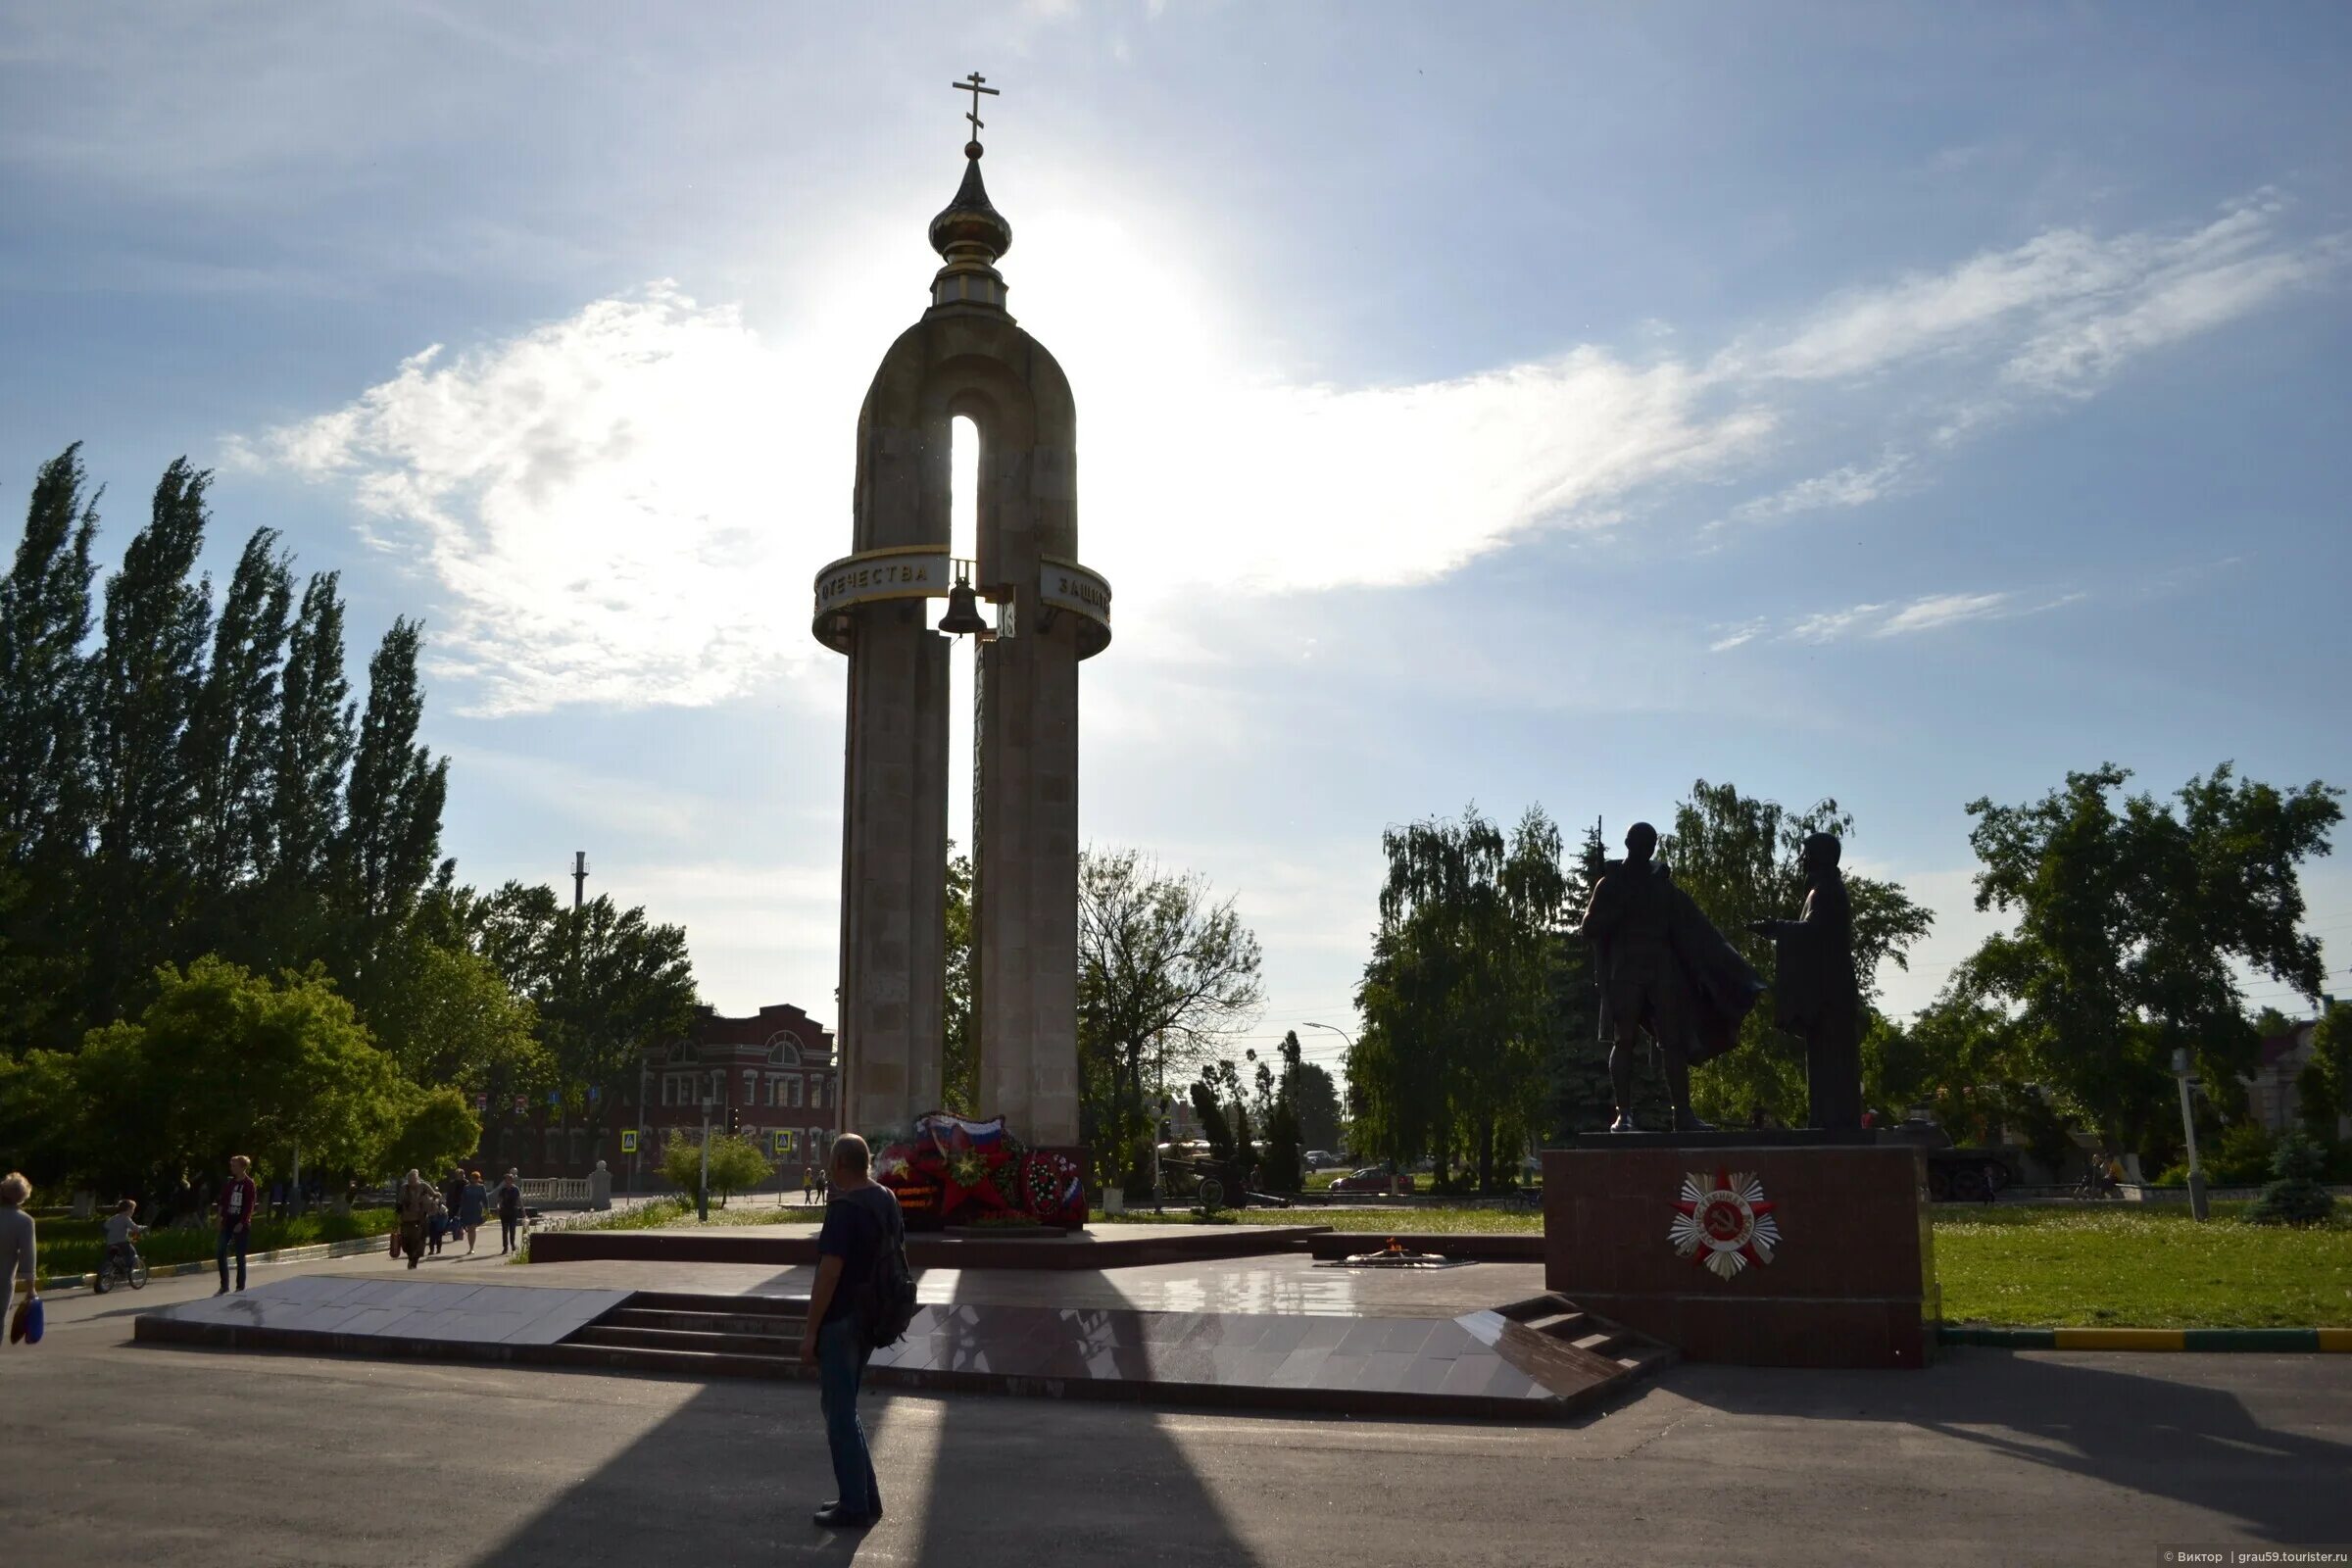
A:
[1663,967]
[1815,994]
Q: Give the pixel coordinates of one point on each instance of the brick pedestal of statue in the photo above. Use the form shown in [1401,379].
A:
[1790,1253]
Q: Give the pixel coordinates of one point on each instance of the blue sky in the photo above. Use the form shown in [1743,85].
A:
[1500,403]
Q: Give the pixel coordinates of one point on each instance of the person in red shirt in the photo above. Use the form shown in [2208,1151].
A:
[236,1218]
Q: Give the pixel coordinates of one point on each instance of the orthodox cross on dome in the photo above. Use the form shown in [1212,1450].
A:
[971,84]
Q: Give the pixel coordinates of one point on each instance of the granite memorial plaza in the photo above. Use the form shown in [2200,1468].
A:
[1658,1340]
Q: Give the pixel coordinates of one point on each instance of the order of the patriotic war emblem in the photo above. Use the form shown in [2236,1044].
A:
[1723,1222]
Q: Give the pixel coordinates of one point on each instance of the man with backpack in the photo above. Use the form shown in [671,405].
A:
[863,1299]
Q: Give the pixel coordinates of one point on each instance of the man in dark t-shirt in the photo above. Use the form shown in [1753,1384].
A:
[862,1217]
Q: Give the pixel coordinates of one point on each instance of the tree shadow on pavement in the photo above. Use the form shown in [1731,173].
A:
[2167,1436]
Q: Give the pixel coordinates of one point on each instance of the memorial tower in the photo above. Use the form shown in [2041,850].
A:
[964,356]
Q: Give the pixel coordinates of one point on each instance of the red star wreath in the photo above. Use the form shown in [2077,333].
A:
[1723,1222]
[970,1176]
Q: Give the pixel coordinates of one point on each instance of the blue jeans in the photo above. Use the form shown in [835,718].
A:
[239,1238]
[841,1358]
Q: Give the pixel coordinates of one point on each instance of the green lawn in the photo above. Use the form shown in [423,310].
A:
[2129,1266]
[70,1247]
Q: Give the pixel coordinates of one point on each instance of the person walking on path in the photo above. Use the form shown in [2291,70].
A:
[807,1186]
[472,1200]
[414,1208]
[18,1273]
[860,1220]
[509,1210]
[237,1200]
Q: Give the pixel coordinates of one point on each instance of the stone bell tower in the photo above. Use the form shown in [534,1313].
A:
[964,356]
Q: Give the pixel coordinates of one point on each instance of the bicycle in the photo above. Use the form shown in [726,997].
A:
[2097,1184]
[112,1269]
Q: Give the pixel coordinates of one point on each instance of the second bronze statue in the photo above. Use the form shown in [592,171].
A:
[1815,993]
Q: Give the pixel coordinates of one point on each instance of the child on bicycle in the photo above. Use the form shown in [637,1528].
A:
[121,1230]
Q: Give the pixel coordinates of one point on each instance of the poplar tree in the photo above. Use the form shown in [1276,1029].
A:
[231,748]
[44,674]
[391,834]
[314,744]
[149,673]
[45,771]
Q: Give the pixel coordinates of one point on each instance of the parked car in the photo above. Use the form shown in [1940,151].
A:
[1321,1159]
[1374,1179]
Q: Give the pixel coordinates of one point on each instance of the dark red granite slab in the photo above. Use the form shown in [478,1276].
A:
[1849,1283]
[1481,1364]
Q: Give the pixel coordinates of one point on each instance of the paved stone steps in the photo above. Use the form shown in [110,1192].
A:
[671,1323]
[762,1324]
[1563,1319]
[623,1337]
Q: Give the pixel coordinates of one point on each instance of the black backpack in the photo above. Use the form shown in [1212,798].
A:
[885,1300]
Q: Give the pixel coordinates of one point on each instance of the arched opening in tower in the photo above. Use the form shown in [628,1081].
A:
[963,542]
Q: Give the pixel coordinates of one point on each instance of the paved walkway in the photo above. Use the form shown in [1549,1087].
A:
[1987,1458]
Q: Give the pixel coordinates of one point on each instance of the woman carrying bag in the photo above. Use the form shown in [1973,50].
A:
[17,1259]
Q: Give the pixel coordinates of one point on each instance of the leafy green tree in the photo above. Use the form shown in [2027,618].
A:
[682,1160]
[1738,856]
[223,1061]
[436,1129]
[149,673]
[449,1018]
[1208,1109]
[1164,973]
[2324,1087]
[1318,1101]
[47,782]
[736,1164]
[1285,1157]
[44,1122]
[2134,919]
[1578,1095]
[607,982]
[1458,994]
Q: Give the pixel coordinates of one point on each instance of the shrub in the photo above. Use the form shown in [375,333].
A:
[2295,1197]
[2242,1158]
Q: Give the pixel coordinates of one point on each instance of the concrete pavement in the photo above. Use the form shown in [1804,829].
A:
[124,1453]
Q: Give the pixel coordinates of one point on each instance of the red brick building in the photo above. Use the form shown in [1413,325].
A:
[777,1069]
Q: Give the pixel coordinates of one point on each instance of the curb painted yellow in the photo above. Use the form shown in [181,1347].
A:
[2336,1338]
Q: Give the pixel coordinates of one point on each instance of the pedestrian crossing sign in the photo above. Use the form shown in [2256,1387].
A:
[629,1140]
[783,1142]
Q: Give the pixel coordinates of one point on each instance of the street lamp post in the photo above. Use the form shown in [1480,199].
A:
[1351,1039]
[2188,1129]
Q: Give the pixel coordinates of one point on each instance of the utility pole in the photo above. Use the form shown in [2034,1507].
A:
[579,879]
[2188,1128]
[701,1193]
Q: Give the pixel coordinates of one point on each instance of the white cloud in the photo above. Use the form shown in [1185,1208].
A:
[1852,485]
[1928,612]
[1942,609]
[600,498]
[2078,302]
[1731,637]
[626,506]
[1828,625]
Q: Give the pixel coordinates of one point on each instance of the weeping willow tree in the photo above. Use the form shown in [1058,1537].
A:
[1456,997]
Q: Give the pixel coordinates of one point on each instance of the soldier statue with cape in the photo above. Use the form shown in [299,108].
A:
[1663,967]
